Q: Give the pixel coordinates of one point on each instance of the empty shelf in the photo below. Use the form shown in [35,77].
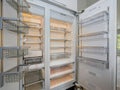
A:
[99,17]
[92,59]
[33,53]
[94,47]
[27,85]
[59,47]
[30,35]
[22,6]
[33,24]
[34,67]
[94,34]
[60,62]
[60,53]
[32,42]
[59,31]
[60,74]
[61,81]
[60,40]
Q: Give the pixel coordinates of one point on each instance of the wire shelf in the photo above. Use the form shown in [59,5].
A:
[13,52]
[14,25]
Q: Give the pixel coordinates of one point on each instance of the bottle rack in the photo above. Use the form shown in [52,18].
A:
[61,64]
[94,45]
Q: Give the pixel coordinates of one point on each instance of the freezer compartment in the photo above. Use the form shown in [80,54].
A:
[34,80]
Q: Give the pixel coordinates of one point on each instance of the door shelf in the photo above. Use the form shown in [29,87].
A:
[60,62]
[61,74]
[93,34]
[14,25]
[94,52]
[22,6]
[100,17]
[92,60]
[92,47]
[13,75]
[14,52]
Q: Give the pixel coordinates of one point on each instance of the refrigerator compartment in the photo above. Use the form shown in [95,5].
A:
[13,52]
[61,81]
[61,71]
[22,6]
[98,18]
[33,76]
[14,25]
[61,62]
[32,60]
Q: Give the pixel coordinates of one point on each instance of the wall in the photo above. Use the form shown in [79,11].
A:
[82,4]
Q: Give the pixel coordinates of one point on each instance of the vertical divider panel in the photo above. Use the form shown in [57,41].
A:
[47,49]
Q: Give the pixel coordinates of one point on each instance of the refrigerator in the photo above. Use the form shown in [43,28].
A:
[47,46]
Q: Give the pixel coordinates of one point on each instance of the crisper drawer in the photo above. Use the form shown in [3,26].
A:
[93,78]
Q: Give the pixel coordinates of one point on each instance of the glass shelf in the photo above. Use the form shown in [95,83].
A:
[22,6]
[13,52]
[14,25]
[60,40]
[61,47]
